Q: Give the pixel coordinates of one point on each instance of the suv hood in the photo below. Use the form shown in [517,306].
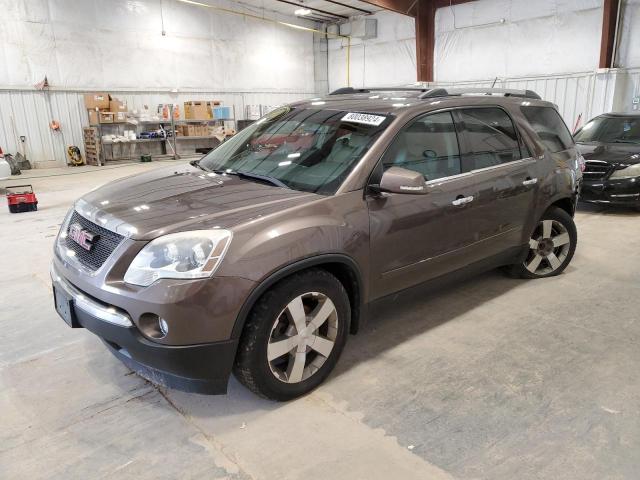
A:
[180,198]
[613,153]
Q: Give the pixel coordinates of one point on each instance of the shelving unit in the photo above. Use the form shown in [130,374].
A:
[128,150]
[211,141]
[91,145]
[168,145]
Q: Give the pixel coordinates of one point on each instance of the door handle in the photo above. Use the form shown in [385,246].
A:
[530,181]
[462,200]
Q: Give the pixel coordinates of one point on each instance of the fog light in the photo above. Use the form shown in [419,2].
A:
[164,327]
[152,326]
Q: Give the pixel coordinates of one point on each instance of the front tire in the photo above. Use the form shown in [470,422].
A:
[551,246]
[294,336]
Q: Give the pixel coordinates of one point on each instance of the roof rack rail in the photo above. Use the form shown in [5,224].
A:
[443,92]
[351,90]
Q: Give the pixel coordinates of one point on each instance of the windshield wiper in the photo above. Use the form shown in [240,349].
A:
[196,163]
[254,176]
[264,178]
[617,140]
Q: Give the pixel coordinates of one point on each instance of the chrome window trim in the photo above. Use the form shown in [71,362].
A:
[438,181]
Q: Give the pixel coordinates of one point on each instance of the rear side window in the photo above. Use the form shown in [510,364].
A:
[489,137]
[428,145]
[550,128]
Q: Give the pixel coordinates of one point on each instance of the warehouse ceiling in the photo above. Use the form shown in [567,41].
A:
[329,11]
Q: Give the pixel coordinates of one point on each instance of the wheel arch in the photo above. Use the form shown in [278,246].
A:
[343,267]
[565,203]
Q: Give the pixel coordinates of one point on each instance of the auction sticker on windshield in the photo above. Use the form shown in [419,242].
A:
[364,118]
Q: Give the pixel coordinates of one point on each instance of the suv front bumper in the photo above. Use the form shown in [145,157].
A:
[201,368]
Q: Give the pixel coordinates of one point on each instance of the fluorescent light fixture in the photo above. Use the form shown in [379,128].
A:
[294,155]
[285,163]
[302,12]
[318,103]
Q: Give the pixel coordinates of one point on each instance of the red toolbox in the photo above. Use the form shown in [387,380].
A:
[21,198]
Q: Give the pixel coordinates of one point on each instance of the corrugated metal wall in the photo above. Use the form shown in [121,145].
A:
[589,94]
[28,113]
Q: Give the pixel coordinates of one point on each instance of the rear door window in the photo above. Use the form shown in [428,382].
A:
[489,138]
[550,127]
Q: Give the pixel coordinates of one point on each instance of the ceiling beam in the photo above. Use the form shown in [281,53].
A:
[366,12]
[405,7]
[608,40]
[307,7]
[425,39]
[424,12]
[426,35]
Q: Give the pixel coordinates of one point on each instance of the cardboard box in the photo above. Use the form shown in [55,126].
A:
[119,117]
[197,110]
[93,117]
[99,100]
[117,106]
[105,117]
[190,131]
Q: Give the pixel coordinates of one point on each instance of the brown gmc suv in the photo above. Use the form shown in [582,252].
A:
[262,257]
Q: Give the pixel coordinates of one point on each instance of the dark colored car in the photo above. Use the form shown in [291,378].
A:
[610,145]
[264,255]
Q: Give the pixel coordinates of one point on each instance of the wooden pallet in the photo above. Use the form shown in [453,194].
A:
[91,145]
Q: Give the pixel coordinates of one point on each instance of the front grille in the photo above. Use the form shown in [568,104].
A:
[103,247]
[597,170]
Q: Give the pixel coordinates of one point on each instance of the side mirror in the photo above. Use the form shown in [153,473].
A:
[401,180]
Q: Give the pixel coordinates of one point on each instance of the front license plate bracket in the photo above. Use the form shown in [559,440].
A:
[64,307]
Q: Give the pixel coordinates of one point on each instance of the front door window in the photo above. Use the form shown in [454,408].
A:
[429,145]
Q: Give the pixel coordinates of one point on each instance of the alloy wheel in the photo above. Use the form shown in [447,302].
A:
[548,247]
[302,337]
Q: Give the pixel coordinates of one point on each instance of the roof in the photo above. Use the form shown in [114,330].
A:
[621,114]
[395,99]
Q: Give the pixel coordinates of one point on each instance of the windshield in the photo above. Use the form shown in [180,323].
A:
[302,149]
[611,130]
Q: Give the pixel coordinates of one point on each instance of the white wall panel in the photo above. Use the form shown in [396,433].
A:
[508,38]
[388,59]
[629,37]
[106,44]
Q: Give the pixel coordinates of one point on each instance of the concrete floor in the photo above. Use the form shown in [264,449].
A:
[495,378]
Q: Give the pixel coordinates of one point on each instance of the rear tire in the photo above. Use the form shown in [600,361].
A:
[294,336]
[551,247]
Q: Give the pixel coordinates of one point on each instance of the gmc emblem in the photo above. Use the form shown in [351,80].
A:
[82,237]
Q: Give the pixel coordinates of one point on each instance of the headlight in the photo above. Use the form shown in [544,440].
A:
[184,255]
[628,172]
